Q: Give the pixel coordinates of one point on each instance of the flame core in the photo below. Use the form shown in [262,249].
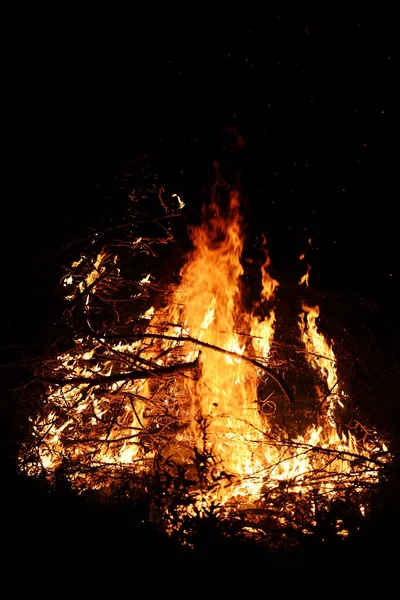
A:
[193,397]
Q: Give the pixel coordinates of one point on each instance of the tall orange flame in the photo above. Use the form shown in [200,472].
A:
[219,414]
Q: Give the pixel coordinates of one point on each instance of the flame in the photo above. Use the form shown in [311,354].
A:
[262,328]
[145,280]
[206,329]
[305,278]
[96,272]
[321,356]
[180,203]
[224,397]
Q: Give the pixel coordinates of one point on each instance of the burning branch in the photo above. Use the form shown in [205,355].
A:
[144,374]
[274,376]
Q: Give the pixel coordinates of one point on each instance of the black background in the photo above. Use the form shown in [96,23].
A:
[314,100]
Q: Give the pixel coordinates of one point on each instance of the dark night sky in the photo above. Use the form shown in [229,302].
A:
[314,101]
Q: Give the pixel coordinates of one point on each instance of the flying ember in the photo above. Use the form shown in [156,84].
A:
[192,390]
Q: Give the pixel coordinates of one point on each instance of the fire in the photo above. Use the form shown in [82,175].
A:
[193,397]
[226,394]
[321,356]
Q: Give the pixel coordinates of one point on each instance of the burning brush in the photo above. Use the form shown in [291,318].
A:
[186,392]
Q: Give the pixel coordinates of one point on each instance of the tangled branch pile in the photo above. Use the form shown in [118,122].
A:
[194,404]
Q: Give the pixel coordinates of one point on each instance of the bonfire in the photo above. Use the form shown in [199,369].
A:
[185,392]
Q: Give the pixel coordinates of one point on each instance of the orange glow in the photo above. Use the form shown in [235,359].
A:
[217,402]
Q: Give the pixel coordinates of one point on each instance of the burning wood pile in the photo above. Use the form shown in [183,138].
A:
[184,390]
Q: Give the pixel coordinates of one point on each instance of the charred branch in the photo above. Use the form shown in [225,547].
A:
[156,372]
[270,372]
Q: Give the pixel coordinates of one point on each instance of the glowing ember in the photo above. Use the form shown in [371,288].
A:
[186,393]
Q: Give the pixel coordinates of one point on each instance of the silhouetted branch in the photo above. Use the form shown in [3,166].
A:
[274,376]
[144,374]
